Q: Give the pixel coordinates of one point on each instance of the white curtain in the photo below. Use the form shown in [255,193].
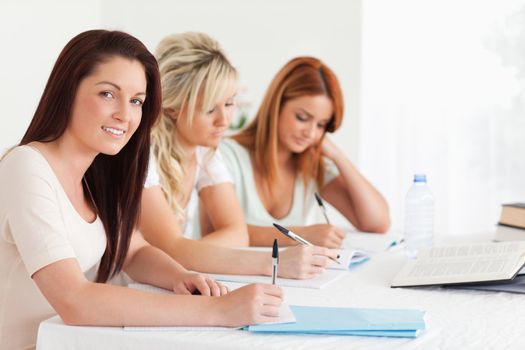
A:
[443,93]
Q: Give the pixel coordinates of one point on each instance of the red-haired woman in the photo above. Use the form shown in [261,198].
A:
[283,157]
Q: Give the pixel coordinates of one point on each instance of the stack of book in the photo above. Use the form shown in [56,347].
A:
[511,225]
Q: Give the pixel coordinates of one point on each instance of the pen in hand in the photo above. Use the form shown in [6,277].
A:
[321,205]
[299,239]
[275,260]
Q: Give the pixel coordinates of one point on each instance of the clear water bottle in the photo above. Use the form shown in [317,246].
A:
[419,217]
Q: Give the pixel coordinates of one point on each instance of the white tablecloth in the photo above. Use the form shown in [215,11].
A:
[456,319]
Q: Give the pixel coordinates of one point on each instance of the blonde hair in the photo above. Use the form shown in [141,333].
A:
[195,74]
[301,76]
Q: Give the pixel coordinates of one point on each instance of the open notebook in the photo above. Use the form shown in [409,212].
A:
[286,315]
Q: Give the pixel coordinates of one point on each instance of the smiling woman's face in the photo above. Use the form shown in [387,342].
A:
[108,106]
[303,121]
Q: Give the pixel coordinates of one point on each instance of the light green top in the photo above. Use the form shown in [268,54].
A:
[304,210]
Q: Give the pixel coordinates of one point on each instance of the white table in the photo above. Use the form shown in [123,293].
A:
[456,319]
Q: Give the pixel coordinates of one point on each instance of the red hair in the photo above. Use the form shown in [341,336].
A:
[302,76]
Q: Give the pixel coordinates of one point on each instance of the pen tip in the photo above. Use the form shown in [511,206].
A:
[275,250]
[318,198]
[279,227]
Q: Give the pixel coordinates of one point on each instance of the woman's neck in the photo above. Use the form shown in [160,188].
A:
[187,148]
[67,158]
[283,157]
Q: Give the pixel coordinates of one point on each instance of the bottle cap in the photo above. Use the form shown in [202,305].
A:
[420,178]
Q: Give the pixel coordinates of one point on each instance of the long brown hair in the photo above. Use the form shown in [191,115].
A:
[302,76]
[115,182]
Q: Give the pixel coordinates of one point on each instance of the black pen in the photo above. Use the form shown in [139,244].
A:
[298,238]
[275,260]
[321,204]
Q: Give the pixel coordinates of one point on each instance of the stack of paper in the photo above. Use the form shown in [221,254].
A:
[405,323]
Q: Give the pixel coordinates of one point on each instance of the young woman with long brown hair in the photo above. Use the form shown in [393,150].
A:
[70,201]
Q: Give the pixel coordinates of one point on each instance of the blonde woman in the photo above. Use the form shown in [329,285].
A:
[284,156]
[198,88]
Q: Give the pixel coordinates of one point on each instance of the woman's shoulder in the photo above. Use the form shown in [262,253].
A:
[230,147]
[24,168]
[23,158]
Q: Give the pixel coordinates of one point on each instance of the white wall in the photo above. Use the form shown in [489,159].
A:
[33,33]
[259,36]
[444,93]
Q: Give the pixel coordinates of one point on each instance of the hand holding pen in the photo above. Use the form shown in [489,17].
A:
[298,238]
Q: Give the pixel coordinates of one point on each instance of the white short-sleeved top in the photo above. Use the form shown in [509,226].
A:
[210,171]
[38,226]
[304,210]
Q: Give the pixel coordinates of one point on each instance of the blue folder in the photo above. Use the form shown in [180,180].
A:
[349,321]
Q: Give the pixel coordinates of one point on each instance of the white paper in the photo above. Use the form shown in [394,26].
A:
[285,315]
[328,276]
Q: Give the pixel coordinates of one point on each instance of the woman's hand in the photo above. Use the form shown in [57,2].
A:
[251,304]
[329,149]
[323,235]
[303,262]
[194,283]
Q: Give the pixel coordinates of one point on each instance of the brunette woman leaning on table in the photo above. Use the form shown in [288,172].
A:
[70,200]
[283,157]
[198,88]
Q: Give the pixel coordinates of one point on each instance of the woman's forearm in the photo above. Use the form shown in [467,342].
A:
[263,236]
[204,257]
[229,236]
[151,265]
[366,207]
[108,305]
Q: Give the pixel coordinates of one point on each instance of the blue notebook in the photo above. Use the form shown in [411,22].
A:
[350,321]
